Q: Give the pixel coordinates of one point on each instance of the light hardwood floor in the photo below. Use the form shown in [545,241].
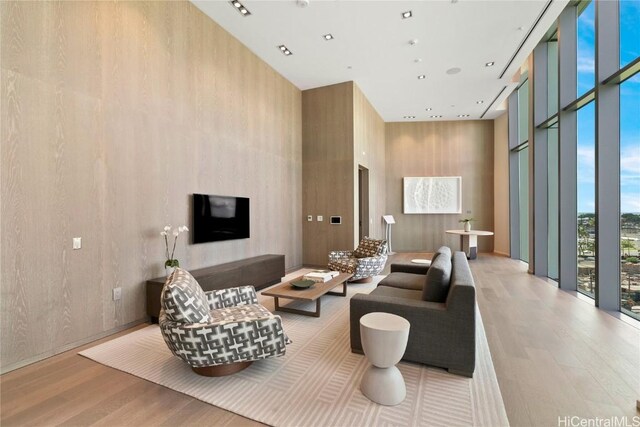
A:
[555,355]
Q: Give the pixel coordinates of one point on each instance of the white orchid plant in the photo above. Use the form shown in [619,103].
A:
[171,261]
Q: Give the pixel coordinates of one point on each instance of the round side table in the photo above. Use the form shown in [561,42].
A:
[384,340]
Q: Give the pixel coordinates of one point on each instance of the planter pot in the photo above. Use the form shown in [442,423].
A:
[467,227]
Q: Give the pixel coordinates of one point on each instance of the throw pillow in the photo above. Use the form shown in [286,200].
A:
[369,248]
[183,300]
[436,287]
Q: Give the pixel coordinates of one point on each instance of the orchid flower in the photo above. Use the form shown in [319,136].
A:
[171,262]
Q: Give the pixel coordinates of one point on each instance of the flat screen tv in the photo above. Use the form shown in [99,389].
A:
[217,218]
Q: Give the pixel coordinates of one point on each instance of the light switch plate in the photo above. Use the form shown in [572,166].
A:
[77,243]
[117,294]
[319,218]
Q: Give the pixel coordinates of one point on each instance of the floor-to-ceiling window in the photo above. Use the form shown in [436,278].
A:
[586,47]
[523,203]
[552,157]
[629,11]
[586,149]
[552,202]
[586,191]
[630,196]
[523,168]
[588,115]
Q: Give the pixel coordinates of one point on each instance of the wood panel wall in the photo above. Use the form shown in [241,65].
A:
[341,131]
[458,148]
[327,176]
[369,151]
[112,114]
[501,185]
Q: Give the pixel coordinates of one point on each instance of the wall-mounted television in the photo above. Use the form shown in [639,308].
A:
[217,218]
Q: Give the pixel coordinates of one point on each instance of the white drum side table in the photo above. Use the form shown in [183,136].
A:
[384,340]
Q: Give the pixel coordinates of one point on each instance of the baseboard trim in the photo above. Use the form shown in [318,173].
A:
[501,253]
[42,356]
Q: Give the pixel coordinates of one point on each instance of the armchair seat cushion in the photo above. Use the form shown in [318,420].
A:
[241,313]
[345,265]
[402,280]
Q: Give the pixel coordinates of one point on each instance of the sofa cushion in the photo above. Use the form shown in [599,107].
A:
[369,248]
[387,291]
[183,300]
[436,286]
[400,280]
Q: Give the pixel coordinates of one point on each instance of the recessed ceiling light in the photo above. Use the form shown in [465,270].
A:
[327,37]
[489,64]
[407,14]
[479,102]
[349,67]
[422,77]
[429,109]
[436,117]
[409,117]
[417,60]
[454,70]
[463,115]
[285,50]
[240,8]
[413,42]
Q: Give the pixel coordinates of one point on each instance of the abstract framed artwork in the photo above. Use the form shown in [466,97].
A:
[432,194]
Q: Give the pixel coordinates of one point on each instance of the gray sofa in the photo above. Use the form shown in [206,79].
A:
[439,303]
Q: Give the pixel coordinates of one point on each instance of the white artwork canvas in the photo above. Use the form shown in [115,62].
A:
[433,195]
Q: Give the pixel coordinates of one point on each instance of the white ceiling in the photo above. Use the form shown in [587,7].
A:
[373,39]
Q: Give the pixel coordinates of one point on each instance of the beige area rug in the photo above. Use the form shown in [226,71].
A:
[317,382]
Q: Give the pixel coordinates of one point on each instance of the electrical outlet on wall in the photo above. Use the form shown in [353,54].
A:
[77,243]
[319,218]
[309,217]
[117,294]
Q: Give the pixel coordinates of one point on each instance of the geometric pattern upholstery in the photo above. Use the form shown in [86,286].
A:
[344,265]
[369,248]
[183,300]
[242,313]
[237,329]
[361,268]
[214,344]
[231,297]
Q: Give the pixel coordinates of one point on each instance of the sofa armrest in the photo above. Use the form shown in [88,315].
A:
[231,297]
[409,268]
[439,334]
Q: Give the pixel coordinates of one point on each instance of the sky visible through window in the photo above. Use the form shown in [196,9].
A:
[629,110]
[629,31]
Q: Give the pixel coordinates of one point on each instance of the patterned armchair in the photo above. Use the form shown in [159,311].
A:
[218,332]
[365,262]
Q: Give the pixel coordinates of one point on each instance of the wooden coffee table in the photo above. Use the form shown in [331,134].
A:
[286,291]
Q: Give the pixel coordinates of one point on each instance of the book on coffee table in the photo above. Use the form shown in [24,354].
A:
[320,276]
